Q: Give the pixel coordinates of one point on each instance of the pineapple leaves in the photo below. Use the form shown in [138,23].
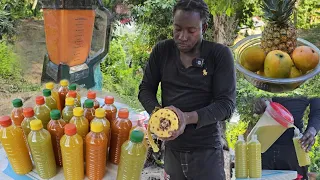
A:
[278,11]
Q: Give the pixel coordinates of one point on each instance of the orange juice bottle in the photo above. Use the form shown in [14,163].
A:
[63,90]
[96,148]
[67,112]
[56,130]
[40,144]
[72,153]
[89,110]
[73,87]
[133,156]
[50,101]
[42,111]
[100,117]
[120,129]
[17,112]
[110,108]
[12,140]
[54,93]
[73,94]
[93,95]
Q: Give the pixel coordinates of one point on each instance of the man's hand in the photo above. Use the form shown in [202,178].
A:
[259,106]
[308,139]
[182,123]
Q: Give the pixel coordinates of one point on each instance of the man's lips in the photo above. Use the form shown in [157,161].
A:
[183,45]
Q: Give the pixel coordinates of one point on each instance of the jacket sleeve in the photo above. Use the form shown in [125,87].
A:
[314,115]
[224,91]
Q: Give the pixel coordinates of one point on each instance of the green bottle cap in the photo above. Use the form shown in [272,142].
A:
[136,136]
[88,103]
[55,114]
[73,87]
[46,92]
[17,103]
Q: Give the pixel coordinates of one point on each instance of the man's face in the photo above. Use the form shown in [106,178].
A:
[187,30]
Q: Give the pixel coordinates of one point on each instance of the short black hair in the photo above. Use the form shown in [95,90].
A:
[193,5]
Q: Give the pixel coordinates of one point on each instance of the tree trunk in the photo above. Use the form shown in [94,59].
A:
[225,29]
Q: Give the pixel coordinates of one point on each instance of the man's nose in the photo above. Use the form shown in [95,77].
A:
[183,36]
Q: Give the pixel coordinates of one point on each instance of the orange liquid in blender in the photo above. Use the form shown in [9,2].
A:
[68,35]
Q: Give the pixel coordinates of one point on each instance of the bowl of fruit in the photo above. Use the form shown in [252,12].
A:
[277,60]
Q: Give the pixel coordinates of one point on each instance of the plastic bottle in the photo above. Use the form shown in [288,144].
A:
[56,130]
[50,101]
[96,148]
[67,112]
[133,156]
[302,156]
[29,116]
[110,108]
[73,87]
[100,117]
[89,111]
[17,112]
[12,140]
[120,129]
[241,158]
[54,93]
[92,95]
[254,157]
[63,91]
[140,127]
[42,111]
[73,94]
[40,144]
[72,153]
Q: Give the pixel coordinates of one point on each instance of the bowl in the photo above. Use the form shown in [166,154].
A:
[274,85]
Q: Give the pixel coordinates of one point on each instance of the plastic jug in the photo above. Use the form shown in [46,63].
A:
[272,124]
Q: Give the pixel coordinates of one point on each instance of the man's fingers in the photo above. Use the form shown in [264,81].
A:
[310,145]
[304,138]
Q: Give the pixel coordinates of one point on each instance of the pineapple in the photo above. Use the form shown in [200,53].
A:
[161,123]
[279,33]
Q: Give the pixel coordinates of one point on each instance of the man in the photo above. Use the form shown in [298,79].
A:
[198,83]
[281,155]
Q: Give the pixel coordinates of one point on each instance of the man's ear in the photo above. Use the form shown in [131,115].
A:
[204,28]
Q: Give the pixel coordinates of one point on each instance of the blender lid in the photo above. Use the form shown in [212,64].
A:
[68,4]
[280,114]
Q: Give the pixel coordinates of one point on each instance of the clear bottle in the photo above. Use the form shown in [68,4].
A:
[17,112]
[13,142]
[93,95]
[42,111]
[56,130]
[110,108]
[72,153]
[254,158]
[73,87]
[120,130]
[67,112]
[73,94]
[96,148]
[29,116]
[302,156]
[140,127]
[133,156]
[63,91]
[40,144]
[50,101]
[54,93]
[100,117]
[89,111]
[241,158]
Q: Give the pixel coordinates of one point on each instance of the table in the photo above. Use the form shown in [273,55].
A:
[275,175]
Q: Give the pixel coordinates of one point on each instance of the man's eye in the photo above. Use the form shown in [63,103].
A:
[178,29]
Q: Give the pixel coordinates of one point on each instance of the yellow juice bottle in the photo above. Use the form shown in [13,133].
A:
[302,156]
[50,101]
[100,117]
[54,94]
[133,155]
[13,142]
[241,158]
[40,144]
[72,153]
[67,112]
[42,111]
[73,87]
[73,94]
[254,158]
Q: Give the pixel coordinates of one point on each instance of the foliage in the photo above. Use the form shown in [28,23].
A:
[233,131]
[6,25]
[308,13]
[9,62]
[20,8]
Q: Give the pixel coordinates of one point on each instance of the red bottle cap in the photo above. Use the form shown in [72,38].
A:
[123,113]
[40,100]
[91,95]
[28,112]
[70,129]
[72,94]
[109,100]
[5,121]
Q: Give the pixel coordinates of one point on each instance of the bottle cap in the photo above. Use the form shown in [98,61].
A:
[136,136]
[17,103]
[40,100]
[100,113]
[78,111]
[96,127]
[69,101]
[49,85]
[36,125]
[55,114]
[73,87]
[109,100]
[46,92]
[123,113]
[88,103]
[72,94]
[64,82]
[5,121]
[91,95]
[70,129]
[28,112]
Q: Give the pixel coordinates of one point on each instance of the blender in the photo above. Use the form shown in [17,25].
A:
[77,40]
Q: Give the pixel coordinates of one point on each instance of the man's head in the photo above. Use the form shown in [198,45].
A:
[190,19]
